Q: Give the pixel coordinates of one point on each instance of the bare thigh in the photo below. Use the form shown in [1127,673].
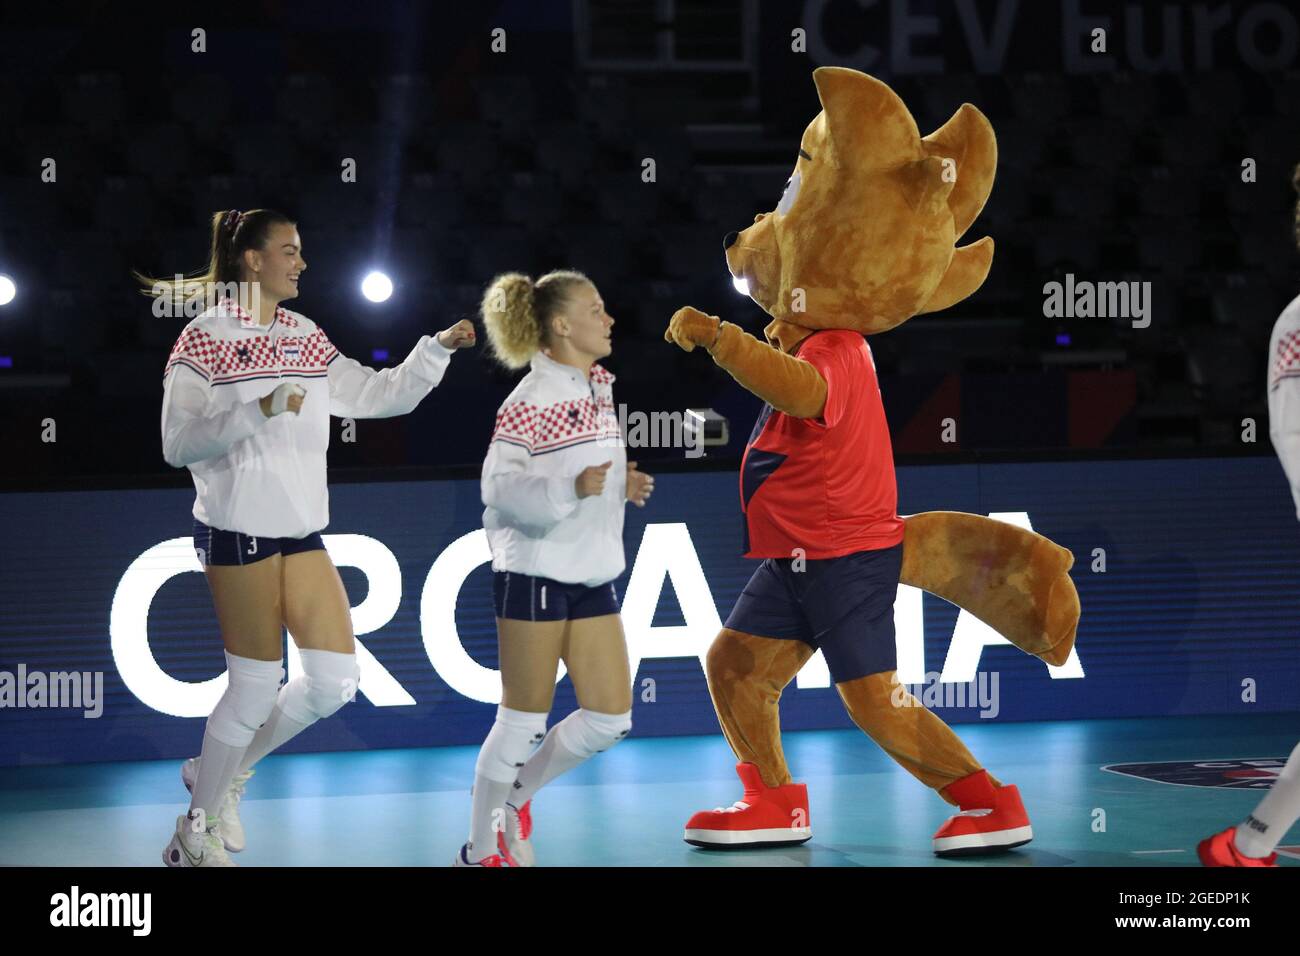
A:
[316,607]
[249,609]
[529,654]
[595,653]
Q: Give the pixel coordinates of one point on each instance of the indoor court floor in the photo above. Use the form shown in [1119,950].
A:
[627,807]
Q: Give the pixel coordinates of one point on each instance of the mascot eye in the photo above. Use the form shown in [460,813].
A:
[788,197]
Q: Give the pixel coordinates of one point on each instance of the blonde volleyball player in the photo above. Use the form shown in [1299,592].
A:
[1253,842]
[247,396]
[554,485]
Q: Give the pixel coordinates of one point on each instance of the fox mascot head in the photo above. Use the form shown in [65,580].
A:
[864,235]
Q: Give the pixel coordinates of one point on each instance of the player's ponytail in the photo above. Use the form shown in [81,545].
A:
[515,310]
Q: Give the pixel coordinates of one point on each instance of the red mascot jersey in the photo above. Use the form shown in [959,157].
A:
[824,485]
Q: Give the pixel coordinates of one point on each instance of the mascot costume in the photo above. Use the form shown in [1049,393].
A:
[862,240]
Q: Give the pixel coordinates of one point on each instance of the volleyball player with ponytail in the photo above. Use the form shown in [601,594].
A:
[554,484]
[247,395]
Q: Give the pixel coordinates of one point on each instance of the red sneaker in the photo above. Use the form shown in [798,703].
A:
[514,841]
[991,819]
[764,816]
[1221,850]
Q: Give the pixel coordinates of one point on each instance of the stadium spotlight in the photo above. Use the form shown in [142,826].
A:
[377,287]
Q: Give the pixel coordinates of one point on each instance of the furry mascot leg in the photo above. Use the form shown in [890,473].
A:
[914,736]
[992,818]
[746,676]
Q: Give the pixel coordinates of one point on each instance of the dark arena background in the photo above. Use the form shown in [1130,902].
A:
[1149,145]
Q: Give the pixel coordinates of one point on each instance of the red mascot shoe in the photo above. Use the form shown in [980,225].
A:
[991,819]
[1221,850]
[764,816]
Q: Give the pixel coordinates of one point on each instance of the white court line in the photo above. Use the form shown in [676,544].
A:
[1137,852]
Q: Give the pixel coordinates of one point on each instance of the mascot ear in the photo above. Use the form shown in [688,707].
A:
[966,273]
[927,189]
[869,126]
[967,139]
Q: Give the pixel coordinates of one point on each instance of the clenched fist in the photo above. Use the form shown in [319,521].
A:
[286,398]
[591,481]
[459,336]
[690,327]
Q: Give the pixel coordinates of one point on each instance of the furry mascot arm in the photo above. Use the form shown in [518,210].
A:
[788,384]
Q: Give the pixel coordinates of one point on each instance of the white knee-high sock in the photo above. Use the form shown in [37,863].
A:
[512,737]
[278,729]
[1264,829]
[246,704]
[577,738]
[328,681]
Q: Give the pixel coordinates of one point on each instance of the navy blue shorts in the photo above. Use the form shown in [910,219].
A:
[842,606]
[230,547]
[519,597]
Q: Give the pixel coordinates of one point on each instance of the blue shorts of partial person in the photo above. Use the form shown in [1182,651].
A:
[521,597]
[842,606]
[221,548]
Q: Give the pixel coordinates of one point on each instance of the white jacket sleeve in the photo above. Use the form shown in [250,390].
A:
[189,432]
[530,500]
[1284,429]
[357,391]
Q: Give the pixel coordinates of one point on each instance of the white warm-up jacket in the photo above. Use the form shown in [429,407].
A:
[266,476]
[554,424]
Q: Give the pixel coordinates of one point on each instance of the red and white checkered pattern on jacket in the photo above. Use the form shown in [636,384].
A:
[230,360]
[561,424]
[1286,361]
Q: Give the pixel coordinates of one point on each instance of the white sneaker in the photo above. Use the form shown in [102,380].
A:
[515,842]
[462,859]
[232,830]
[191,847]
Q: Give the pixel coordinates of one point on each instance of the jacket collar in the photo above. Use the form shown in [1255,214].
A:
[786,335]
[229,307]
[543,363]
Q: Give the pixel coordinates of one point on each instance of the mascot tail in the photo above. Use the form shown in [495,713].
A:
[1013,580]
